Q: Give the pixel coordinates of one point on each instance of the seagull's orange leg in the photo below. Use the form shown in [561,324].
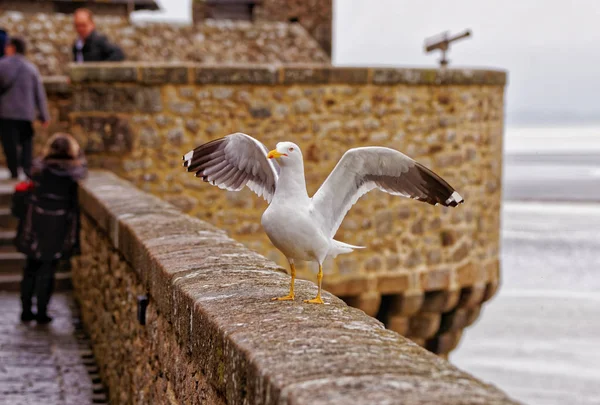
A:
[317,299]
[290,296]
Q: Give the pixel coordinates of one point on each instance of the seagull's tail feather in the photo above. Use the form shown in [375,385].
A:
[339,248]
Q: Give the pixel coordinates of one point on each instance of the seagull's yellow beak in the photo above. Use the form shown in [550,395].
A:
[274,154]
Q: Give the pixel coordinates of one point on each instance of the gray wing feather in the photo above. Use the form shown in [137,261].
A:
[361,170]
[233,162]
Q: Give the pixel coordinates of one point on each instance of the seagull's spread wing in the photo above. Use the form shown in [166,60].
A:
[233,162]
[361,170]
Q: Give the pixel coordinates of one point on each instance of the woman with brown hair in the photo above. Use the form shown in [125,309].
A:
[49,228]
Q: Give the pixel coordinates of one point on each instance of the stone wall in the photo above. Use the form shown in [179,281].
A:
[51,37]
[50,7]
[426,270]
[212,335]
[316,16]
[26,6]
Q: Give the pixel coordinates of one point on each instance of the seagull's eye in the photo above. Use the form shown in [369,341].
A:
[291,149]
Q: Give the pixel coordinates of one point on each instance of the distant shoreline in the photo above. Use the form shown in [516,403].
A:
[551,119]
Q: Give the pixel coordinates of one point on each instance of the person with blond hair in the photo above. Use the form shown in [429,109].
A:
[49,226]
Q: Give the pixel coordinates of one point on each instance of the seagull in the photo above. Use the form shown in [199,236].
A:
[303,227]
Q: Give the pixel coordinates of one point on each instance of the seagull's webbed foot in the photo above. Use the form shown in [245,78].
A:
[316,300]
[289,297]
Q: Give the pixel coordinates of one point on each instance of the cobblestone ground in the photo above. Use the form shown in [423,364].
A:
[43,364]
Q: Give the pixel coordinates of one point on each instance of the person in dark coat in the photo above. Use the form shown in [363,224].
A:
[49,230]
[91,46]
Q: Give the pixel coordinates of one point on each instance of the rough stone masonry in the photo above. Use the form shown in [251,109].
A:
[426,270]
[51,37]
[213,336]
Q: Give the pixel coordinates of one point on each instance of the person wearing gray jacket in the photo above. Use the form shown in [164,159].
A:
[22,100]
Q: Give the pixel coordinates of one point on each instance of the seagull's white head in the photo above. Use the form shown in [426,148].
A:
[286,153]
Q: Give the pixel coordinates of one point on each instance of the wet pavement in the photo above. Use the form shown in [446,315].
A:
[45,364]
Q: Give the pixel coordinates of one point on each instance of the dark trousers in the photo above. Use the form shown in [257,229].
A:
[38,279]
[17,137]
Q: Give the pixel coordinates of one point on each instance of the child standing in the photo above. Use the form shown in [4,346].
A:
[49,228]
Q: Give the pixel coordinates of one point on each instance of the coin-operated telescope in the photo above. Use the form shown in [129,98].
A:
[442,42]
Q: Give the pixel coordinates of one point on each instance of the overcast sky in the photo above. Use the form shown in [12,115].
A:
[551,48]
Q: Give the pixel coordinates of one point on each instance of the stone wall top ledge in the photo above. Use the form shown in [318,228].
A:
[57,85]
[194,73]
[216,294]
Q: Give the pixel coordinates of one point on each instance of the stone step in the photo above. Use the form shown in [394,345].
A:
[11,262]
[6,238]
[7,241]
[7,221]
[6,191]
[12,282]
[5,200]
[7,249]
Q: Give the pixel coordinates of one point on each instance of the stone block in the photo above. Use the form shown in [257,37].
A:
[454,320]
[406,304]
[347,286]
[184,203]
[399,324]
[348,75]
[448,237]
[417,340]
[260,112]
[414,259]
[424,325]
[164,74]
[490,290]
[436,279]
[492,270]
[437,77]
[368,302]
[121,99]
[390,76]
[105,134]
[444,343]
[102,73]
[57,85]
[461,251]
[441,301]
[322,74]
[472,296]
[393,283]
[236,75]
[469,274]
[472,315]
[318,74]
[373,264]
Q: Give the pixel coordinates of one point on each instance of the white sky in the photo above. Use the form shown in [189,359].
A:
[551,48]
